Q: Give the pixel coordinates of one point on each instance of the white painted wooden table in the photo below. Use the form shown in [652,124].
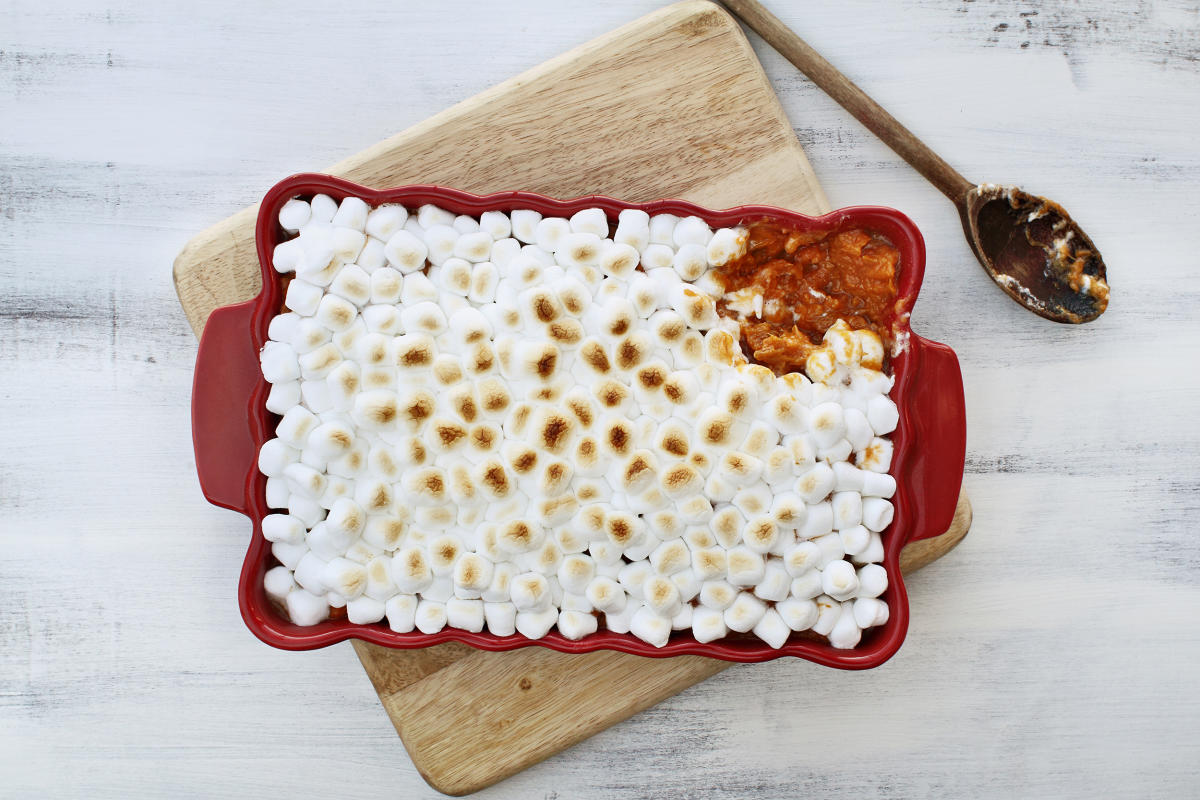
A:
[1053,654]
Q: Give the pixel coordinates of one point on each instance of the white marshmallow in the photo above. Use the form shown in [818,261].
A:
[430,616]
[283,396]
[872,580]
[650,627]
[882,414]
[283,528]
[294,214]
[855,540]
[846,633]
[633,228]
[575,625]
[305,608]
[278,582]
[661,595]
[429,215]
[807,585]
[500,618]
[839,580]
[847,510]
[277,492]
[303,297]
[401,612]
[869,612]
[465,224]
[708,624]
[877,513]
[536,624]
[816,484]
[772,629]
[524,225]
[873,553]
[351,213]
[467,615]
[776,583]
[345,577]
[657,256]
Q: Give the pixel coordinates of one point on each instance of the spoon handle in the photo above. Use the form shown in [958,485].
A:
[852,98]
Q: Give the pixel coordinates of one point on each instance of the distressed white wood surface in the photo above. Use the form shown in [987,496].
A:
[1052,655]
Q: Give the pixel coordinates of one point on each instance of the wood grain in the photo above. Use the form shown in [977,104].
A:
[724,99]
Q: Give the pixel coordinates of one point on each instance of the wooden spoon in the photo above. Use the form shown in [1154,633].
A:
[1029,245]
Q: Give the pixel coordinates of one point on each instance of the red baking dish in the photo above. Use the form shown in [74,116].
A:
[230,423]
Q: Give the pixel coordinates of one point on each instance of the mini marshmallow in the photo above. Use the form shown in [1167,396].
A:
[847,510]
[305,608]
[776,582]
[846,632]
[872,580]
[430,616]
[855,540]
[295,426]
[536,624]
[590,220]
[818,521]
[411,571]
[744,566]
[650,627]
[633,228]
[878,484]
[294,214]
[278,582]
[550,232]
[606,595]
[744,613]
[816,484]
[753,500]
[798,614]
[440,241]
[760,534]
[877,513]
[839,580]
[575,625]
[807,586]
[882,414]
[500,618]
[467,615]
[283,528]
[401,612]
[877,456]
[303,297]
[661,595]
[772,629]
[869,612]
[345,577]
[524,225]
[277,492]
[708,624]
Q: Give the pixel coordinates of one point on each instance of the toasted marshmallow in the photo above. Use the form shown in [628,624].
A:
[709,563]
[295,426]
[345,577]
[753,500]
[725,245]
[744,567]
[352,284]
[530,592]
[876,457]
[475,247]
[800,557]
[430,616]
[761,533]
[661,595]
[828,612]
[877,513]
[690,261]
[814,485]
[744,613]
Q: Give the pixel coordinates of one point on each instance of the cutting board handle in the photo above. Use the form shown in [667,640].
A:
[227,373]
[936,415]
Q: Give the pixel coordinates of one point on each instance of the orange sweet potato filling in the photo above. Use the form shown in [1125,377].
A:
[809,280]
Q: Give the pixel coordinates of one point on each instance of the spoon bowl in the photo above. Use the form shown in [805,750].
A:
[1035,252]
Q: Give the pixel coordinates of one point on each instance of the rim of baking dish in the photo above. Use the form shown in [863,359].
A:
[267,622]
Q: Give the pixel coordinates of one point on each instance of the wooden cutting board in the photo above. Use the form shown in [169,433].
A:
[671,105]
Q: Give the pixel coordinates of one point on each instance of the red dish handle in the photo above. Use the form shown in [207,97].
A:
[937,414]
[226,374]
